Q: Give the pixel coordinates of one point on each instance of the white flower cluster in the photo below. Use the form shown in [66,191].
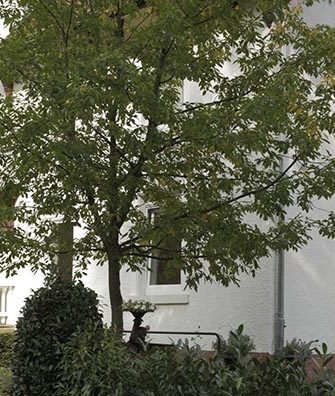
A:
[138,306]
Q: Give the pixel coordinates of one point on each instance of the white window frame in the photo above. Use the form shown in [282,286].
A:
[163,294]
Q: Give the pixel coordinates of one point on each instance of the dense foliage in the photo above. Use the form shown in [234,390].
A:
[50,316]
[237,347]
[6,348]
[95,363]
[103,123]
[7,337]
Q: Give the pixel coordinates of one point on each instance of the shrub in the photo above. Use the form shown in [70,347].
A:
[297,350]
[184,371]
[96,363]
[278,378]
[6,354]
[6,348]
[5,381]
[50,316]
[237,349]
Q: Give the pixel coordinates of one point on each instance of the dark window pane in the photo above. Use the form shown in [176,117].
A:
[163,270]
[164,274]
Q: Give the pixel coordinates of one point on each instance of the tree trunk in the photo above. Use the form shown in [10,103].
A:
[65,251]
[115,296]
[9,192]
[65,228]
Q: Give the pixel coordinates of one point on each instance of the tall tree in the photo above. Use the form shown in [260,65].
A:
[99,128]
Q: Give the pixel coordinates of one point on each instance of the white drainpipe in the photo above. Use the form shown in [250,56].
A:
[279,314]
[279,319]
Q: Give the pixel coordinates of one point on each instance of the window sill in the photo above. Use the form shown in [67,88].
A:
[167,299]
[163,299]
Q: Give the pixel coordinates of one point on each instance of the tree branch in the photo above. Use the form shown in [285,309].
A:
[214,103]
[266,187]
[61,28]
[70,19]
[135,173]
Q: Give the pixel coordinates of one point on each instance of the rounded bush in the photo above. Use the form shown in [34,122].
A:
[49,318]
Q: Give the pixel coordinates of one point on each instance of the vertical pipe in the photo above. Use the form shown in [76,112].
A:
[279,319]
[279,314]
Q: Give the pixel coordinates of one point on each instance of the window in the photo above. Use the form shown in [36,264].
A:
[162,269]
[4,297]
[163,283]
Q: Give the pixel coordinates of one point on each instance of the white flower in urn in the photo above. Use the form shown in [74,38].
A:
[138,306]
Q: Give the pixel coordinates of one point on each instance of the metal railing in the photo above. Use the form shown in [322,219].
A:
[194,333]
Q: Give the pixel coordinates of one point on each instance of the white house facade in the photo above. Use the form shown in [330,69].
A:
[291,289]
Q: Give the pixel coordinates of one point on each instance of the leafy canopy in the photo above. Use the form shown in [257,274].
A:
[102,126]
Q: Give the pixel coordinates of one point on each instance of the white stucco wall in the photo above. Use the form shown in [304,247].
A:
[309,286]
[22,285]
[214,308]
[310,272]
[310,292]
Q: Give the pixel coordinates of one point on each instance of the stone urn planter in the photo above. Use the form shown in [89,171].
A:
[138,308]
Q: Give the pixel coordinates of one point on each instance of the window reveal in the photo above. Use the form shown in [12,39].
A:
[162,269]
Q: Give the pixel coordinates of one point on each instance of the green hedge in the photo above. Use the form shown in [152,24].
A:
[96,363]
[7,338]
[6,348]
